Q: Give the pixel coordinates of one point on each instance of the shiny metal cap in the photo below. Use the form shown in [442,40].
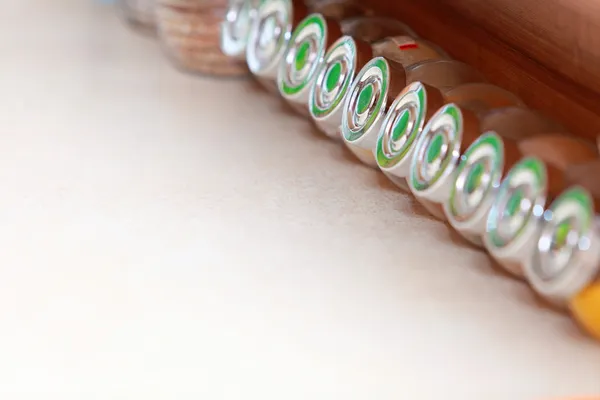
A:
[302,58]
[513,223]
[332,83]
[403,123]
[566,257]
[269,36]
[366,104]
[235,28]
[478,178]
[436,155]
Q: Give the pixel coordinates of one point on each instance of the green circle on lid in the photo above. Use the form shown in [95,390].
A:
[474,177]
[514,202]
[302,55]
[562,231]
[364,98]
[333,76]
[401,125]
[435,148]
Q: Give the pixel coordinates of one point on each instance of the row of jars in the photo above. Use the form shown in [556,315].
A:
[507,178]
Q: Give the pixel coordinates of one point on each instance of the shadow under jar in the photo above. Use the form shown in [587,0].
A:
[272,28]
[306,52]
[448,133]
[339,67]
[375,87]
[565,264]
[513,222]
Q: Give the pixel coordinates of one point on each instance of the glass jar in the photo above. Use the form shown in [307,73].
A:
[190,34]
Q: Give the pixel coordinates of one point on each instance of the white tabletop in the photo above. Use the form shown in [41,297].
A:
[166,236]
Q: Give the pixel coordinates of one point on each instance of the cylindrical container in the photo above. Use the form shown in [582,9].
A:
[235,28]
[513,222]
[485,163]
[567,256]
[449,132]
[340,64]
[411,110]
[139,13]
[190,35]
[375,86]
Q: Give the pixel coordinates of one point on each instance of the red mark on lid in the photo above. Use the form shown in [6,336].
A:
[408,46]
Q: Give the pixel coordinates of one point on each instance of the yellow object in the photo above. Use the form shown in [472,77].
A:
[586,309]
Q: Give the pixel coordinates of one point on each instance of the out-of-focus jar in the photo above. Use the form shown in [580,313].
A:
[190,32]
[509,134]
[513,222]
[446,136]
[139,13]
[565,265]
[235,27]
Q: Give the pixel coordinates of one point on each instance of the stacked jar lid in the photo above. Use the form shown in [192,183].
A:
[507,178]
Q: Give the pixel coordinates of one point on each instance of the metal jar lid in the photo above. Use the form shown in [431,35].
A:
[269,36]
[236,27]
[513,223]
[403,123]
[478,177]
[366,104]
[333,81]
[438,150]
[303,56]
[566,257]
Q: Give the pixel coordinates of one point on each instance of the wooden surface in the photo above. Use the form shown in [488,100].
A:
[549,54]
